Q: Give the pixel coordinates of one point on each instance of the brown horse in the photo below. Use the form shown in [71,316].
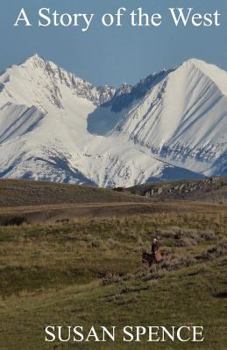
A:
[151,259]
[147,258]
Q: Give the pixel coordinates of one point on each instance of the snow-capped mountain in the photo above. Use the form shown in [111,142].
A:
[55,126]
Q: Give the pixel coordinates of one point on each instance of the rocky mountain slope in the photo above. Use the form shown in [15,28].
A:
[213,190]
[55,126]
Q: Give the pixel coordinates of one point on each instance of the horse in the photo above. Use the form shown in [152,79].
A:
[148,259]
[151,259]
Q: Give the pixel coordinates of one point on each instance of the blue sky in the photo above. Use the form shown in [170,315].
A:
[112,55]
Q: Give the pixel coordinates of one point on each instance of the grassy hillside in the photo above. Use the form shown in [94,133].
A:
[23,201]
[88,271]
[25,193]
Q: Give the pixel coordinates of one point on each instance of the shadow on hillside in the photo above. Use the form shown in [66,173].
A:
[106,117]
[103,120]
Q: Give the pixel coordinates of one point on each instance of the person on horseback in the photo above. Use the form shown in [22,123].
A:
[155,257]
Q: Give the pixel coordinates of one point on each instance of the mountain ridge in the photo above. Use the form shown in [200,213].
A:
[55,126]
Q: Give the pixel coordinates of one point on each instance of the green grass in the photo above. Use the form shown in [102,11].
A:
[89,272]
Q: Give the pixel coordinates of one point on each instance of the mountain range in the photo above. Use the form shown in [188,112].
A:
[57,127]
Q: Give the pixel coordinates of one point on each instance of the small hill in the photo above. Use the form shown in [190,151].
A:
[25,193]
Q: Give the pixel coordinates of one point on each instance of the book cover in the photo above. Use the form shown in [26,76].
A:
[113,175]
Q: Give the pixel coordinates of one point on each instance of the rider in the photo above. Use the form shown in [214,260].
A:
[154,246]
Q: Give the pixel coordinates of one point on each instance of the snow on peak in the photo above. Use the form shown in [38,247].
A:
[36,77]
[34,59]
[50,122]
[194,61]
[214,73]
[183,116]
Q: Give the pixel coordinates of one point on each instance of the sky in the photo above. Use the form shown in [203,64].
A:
[112,55]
